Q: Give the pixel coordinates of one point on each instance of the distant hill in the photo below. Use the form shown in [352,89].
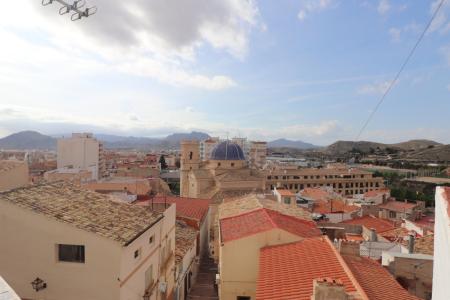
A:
[365,147]
[194,135]
[25,140]
[432,153]
[284,143]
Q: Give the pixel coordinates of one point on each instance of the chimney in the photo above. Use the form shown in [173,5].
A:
[328,289]
[411,241]
[373,235]
[349,248]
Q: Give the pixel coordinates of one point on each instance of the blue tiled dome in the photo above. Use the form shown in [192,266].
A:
[227,151]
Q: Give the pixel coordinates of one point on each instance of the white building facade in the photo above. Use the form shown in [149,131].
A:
[441,266]
[81,151]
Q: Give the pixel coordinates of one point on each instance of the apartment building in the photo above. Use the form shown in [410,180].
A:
[206,147]
[81,151]
[344,181]
[61,242]
[13,174]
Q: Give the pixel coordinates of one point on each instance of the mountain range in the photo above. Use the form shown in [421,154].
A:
[284,143]
[27,140]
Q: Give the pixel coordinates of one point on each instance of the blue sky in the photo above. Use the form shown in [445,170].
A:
[308,70]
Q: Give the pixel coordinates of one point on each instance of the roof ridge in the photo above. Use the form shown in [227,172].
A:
[347,270]
[290,217]
[291,243]
[242,214]
[274,224]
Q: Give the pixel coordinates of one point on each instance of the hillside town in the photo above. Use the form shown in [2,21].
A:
[214,219]
[224,150]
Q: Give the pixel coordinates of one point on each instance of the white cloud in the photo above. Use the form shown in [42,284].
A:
[377,88]
[383,7]
[156,39]
[440,23]
[395,34]
[313,6]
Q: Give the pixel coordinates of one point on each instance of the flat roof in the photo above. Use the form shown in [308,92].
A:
[89,211]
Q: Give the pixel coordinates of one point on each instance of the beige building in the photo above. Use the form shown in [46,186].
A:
[76,176]
[257,154]
[206,147]
[13,174]
[84,245]
[345,181]
[81,151]
[226,171]
[245,226]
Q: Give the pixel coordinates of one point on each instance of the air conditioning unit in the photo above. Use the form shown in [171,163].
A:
[217,278]
[163,287]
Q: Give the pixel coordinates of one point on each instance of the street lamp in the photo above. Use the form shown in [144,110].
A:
[38,284]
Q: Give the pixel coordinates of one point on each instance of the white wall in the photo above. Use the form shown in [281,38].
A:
[441,266]
[79,152]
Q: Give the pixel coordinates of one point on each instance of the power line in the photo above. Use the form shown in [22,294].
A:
[400,71]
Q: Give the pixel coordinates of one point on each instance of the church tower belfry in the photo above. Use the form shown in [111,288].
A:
[190,160]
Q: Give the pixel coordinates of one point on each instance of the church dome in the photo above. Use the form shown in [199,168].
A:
[227,151]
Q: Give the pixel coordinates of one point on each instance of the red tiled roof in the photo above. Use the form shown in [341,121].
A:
[315,193]
[261,220]
[285,192]
[398,206]
[333,206]
[287,271]
[376,282]
[396,234]
[191,208]
[380,225]
[375,193]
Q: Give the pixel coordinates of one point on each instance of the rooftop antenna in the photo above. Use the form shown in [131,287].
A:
[75,7]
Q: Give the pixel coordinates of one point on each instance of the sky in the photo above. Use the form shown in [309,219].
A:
[310,70]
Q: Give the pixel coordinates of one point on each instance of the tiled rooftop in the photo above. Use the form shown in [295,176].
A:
[287,271]
[185,237]
[396,234]
[260,220]
[333,206]
[86,210]
[375,193]
[380,225]
[315,194]
[423,245]
[398,206]
[376,281]
[283,192]
[253,202]
[191,208]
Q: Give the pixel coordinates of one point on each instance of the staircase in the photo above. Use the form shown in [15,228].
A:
[204,288]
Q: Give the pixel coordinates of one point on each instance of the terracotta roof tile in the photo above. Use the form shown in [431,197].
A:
[375,193]
[261,220]
[396,234]
[333,206]
[376,281]
[192,208]
[185,237]
[380,225]
[287,271]
[84,209]
[398,206]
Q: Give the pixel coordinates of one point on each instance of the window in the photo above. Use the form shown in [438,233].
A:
[151,239]
[243,298]
[71,253]
[137,253]
[392,214]
[232,164]
[287,200]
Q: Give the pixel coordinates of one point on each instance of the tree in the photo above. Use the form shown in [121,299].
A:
[162,162]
